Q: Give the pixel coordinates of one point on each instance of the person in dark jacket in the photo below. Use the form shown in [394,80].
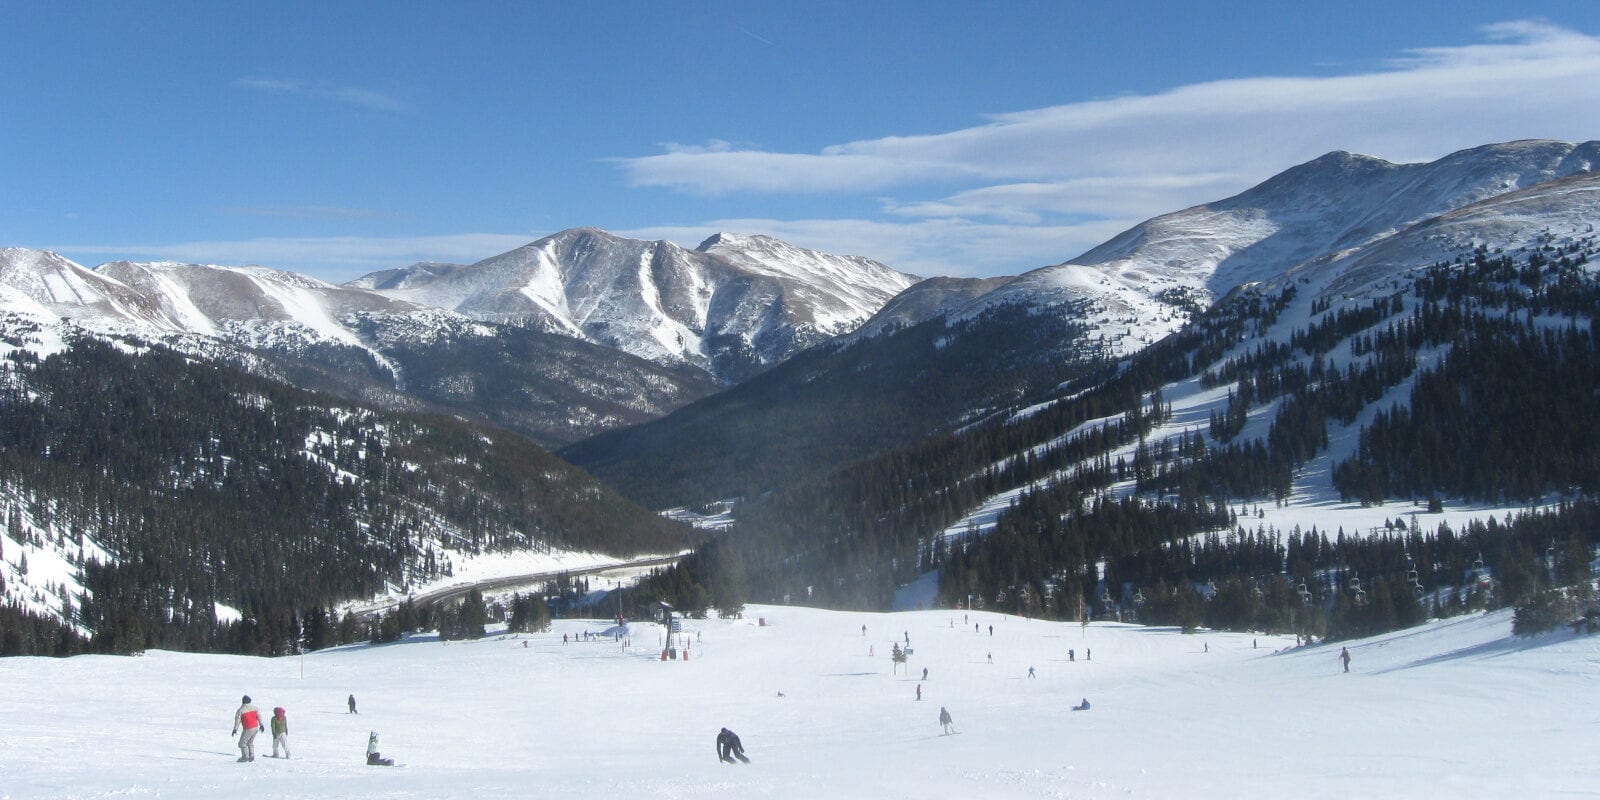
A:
[1083,706]
[352,704]
[946,721]
[729,747]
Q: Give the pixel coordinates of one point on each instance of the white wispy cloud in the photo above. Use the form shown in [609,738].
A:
[348,95]
[1051,176]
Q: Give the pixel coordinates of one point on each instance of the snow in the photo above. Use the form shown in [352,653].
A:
[1454,708]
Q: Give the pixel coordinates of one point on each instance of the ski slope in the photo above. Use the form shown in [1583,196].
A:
[1456,708]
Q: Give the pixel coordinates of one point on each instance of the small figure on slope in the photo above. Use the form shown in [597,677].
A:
[247,718]
[945,720]
[352,704]
[729,747]
[280,732]
[375,758]
[1083,706]
[1344,655]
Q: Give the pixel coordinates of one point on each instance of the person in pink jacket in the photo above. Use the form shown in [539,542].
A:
[280,732]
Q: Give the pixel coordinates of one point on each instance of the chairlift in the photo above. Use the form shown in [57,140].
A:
[1138,598]
[1360,598]
[1355,585]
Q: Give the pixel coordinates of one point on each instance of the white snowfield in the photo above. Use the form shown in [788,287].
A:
[1456,708]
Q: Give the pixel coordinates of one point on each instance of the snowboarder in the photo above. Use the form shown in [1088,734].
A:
[375,758]
[280,732]
[247,719]
[945,720]
[1083,706]
[1344,655]
[924,673]
[352,704]
[729,747]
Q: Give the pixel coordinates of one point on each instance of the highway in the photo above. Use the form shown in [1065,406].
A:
[449,594]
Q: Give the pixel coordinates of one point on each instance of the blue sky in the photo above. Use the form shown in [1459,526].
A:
[967,138]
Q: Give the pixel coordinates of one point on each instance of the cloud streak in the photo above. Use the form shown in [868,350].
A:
[1056,176]
[347,95]
[1421,105]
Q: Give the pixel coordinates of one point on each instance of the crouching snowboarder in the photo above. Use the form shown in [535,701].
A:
[729,747]
[1083,706]
[374,758]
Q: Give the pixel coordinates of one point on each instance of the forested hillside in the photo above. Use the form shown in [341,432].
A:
[1470,380]
[170,485]
[840,403]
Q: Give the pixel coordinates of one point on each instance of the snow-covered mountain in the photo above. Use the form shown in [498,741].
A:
[1147,280]
[1340,225]
[732,306]
[351,341]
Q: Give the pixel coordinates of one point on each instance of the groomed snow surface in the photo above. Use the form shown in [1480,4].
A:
[1456,708]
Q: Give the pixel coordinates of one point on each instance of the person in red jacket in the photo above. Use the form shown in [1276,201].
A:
[248,719]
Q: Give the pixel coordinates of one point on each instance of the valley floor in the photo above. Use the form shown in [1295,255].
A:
[1455,708]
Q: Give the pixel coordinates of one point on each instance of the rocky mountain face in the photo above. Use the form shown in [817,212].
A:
[731,307]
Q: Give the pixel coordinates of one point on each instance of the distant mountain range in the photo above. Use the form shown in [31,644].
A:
[569,336]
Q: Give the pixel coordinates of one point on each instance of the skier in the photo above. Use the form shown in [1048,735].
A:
[1071,656]
[1344,655]
[919,692]
[247,718]
[1088,655]
[352,704]
[945,720]
[729,747]
[375,758]
[863,630]
[280,732]
[924,673]
[991,658]
[1030,672]
[1083,706]
[991,630]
